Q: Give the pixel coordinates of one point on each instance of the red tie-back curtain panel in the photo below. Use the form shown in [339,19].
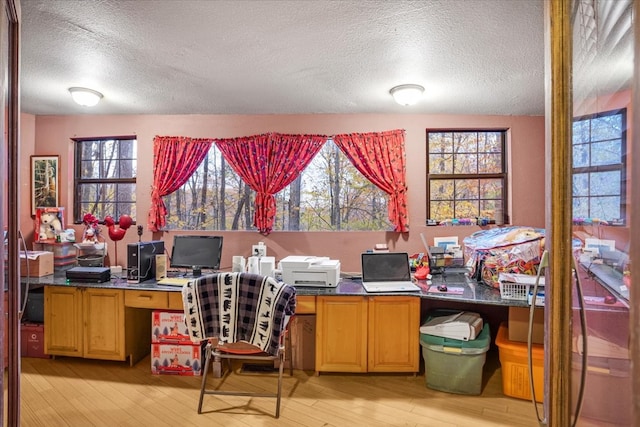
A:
[175,159]
[267,163]
[380,157]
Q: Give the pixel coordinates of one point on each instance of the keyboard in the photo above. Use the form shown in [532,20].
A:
[391,287]
[174,281]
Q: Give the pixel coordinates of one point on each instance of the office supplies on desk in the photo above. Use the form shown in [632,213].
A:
[196,252]
[464,326]
[387,272]
[303,270]
[175,281]
[141,260]
[451,290]
[89,274]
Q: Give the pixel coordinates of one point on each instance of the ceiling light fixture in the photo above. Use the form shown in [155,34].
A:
[85,97]
[407,94]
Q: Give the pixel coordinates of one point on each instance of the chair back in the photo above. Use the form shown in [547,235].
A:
[234,307]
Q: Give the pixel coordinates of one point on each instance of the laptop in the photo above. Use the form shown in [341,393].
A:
[387,272]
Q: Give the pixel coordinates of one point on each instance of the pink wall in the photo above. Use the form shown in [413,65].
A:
[52,135]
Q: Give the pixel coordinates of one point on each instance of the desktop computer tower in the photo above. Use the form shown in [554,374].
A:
[141,260]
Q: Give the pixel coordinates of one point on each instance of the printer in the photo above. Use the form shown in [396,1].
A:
[463,326]
[302,270]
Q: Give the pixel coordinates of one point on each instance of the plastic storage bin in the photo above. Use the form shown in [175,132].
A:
[608,394]
[64,254]
[455,366]
[32,340]
[514,358]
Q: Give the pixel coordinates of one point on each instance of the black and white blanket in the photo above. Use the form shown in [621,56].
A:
[238,307]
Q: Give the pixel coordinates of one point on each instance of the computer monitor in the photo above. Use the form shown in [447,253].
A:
[196,252]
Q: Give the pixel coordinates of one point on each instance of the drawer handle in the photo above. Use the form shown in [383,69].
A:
[147,297]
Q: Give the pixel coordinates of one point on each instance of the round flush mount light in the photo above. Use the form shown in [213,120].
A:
[407,94]
[85,97]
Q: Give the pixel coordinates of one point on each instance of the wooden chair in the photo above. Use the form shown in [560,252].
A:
[243,317]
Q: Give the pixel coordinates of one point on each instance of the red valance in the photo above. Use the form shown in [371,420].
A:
[267,163]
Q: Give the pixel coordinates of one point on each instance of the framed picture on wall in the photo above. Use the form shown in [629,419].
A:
[45,182]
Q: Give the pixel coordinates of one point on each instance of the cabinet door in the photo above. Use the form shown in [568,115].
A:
[63,330]
[394,334]
[341,334]
[104,335]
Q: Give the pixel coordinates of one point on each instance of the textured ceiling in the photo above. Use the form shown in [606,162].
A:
[283,57]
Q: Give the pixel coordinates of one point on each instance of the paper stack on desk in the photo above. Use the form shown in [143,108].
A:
[464,326]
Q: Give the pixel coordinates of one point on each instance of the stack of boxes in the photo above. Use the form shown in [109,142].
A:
[453,365]
[172,351]
[49,230]
[64,254]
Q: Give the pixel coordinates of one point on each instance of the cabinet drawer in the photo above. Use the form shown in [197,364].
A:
[146,299]
[175,301]
[305,304]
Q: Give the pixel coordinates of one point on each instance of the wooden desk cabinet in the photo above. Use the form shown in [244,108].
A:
[84,322]
[367,334]
[100,323]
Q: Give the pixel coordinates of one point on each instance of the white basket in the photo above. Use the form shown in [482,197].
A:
[514,291]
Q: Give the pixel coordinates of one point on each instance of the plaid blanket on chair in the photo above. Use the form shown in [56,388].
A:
[238,307]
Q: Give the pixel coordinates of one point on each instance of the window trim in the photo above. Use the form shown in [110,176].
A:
[504,176]
[78,181]
[606,168]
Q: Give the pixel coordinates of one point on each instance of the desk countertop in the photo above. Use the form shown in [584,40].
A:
[460,288]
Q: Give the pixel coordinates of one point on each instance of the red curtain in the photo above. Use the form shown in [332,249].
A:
[381,158]
[174,161]
[267,163]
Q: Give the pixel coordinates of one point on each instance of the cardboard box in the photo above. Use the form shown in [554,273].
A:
[519,325]
[64,254]
[36,264]
[303,341]
[176,359]
[168,327]
[32,340]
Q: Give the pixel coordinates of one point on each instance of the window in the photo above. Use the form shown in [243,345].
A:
[330,195]
[466,174]
[599,165]
[105,177]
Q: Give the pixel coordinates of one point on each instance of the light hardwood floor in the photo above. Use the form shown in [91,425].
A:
[77,392]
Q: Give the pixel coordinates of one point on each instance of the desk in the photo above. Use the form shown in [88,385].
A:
[108,321]
[356,331]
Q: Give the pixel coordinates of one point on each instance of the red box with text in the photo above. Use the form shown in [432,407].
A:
[176,359]
[168,327]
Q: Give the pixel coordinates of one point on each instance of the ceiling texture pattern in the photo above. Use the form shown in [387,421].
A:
[283,57]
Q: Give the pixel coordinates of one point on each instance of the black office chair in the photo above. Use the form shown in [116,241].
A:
[243,316]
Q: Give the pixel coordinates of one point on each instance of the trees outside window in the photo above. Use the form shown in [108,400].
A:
[599,166]
[329,195]
[105,177]
[466,174]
